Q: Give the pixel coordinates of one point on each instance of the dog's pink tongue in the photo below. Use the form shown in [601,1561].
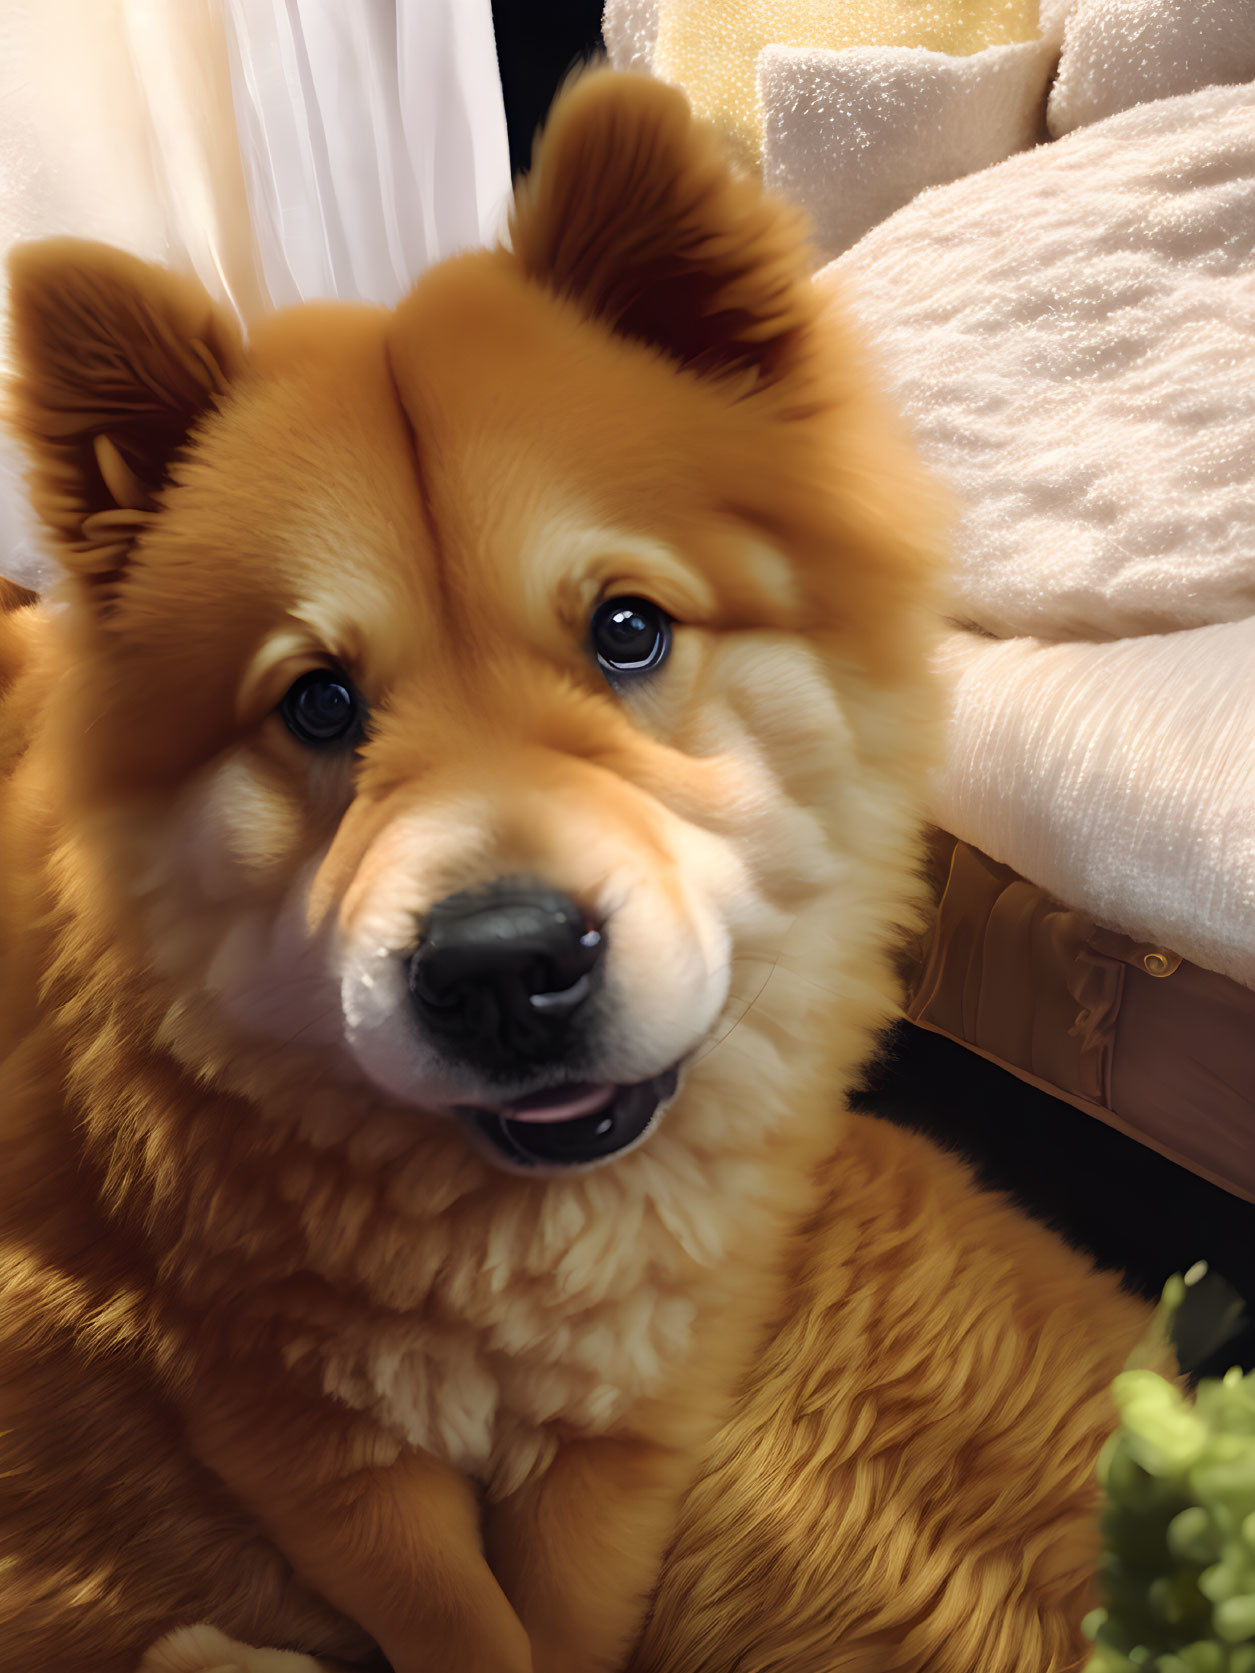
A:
[560,1103]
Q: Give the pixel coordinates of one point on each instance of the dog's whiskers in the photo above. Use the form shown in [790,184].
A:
[290,985]
[314,1022]
[837,995]
[774,966]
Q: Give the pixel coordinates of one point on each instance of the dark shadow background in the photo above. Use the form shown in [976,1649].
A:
[1128,1206]
[1131,1209]
[538,41]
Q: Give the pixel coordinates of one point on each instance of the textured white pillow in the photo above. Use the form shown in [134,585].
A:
[1120,778]
[853,135]
[1120,53]
[1072,337]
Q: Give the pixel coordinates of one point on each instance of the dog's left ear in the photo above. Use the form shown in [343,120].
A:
[632,210]
[115,363]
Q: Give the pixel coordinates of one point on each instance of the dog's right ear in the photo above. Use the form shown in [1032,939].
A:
[632,211]
[115,362]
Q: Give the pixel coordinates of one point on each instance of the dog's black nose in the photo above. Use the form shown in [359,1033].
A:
[502,974]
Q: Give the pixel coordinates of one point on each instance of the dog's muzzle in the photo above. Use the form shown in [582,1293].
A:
[502,982]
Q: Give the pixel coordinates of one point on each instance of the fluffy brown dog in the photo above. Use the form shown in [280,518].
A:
[454,833]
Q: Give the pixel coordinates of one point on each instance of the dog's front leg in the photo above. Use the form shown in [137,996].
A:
[388,1535]
[578,1550]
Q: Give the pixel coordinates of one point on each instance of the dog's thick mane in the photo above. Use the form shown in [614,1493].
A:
[317,1221]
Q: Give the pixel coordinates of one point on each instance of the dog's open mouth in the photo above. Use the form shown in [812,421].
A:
[573,1126]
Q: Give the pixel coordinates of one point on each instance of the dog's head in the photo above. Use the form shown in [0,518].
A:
[473,700]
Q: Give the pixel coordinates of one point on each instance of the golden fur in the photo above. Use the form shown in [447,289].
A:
[283,1358]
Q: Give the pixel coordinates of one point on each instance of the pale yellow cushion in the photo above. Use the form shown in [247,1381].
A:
[711,49]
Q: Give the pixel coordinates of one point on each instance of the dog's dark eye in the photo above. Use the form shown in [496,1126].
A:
[321,709]
[630,636]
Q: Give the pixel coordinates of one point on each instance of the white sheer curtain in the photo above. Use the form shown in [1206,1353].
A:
[373,138]
[283,149]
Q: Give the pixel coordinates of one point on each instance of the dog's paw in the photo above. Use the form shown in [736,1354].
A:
[206,1650]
